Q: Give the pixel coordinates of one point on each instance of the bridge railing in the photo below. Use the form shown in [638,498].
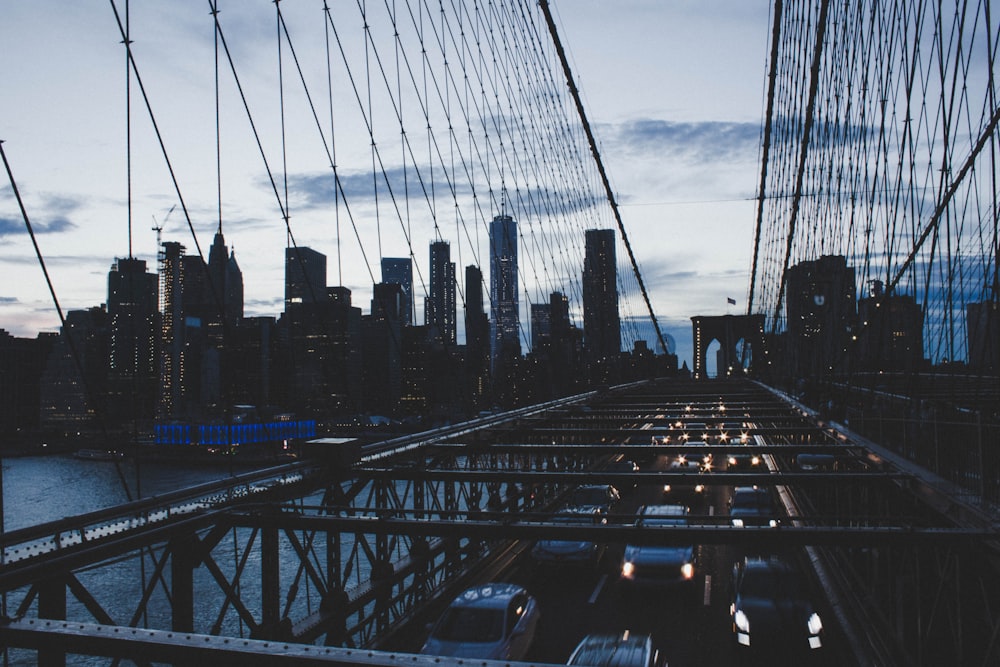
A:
[35,541]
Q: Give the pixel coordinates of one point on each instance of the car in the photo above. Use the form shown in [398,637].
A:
[688,490]
[770,610]
[582,552]
[601,496]
[624,466]
[743,461]
[659,565]
[616,650]
[494,621]
[813,462]
[752,506]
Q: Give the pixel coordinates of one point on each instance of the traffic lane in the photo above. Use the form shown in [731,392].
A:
[690,625]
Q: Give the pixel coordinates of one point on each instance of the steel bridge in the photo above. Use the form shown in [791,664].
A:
[341,557]
[879,159]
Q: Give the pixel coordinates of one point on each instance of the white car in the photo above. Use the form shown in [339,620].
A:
[495,621]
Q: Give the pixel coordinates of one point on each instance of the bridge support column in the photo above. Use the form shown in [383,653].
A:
[52,604]
[182,564]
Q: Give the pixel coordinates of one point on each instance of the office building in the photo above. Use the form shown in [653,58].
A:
[439,311]
[399,270]
[505,328]
[601,323]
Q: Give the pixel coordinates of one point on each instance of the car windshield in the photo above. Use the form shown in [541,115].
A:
[591,495]
[662,521]
[751,500]
[770,585]
[469,624]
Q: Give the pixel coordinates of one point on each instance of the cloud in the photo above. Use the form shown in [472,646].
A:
[49,216]
[688,142]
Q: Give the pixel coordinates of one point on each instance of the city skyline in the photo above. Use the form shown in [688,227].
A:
[657,148]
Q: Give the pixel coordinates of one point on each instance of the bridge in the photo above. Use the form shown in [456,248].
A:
[873,416]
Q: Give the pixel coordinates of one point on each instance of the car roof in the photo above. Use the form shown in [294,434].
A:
[767,565]
[488,596]
[663,510]
[618,650]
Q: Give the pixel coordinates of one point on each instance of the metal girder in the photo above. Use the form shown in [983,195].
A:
[197,649]
[623,480]
[711,530]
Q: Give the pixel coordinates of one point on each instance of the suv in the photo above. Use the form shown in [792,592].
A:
[770,609]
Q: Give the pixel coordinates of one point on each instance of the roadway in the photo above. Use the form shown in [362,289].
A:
[689,623]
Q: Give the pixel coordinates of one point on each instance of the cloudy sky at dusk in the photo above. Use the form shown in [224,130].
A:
[673,88]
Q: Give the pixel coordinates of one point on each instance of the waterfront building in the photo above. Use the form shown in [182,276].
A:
[134,320]
[890,332]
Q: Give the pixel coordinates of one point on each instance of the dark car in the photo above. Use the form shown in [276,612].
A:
[752,506]
[691,488]
[624,466]
[580,552]
[659,565]
[770,609]
[618,650]
[495,621]
[743,461]
[601,496]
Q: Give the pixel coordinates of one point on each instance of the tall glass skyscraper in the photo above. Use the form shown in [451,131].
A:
[399,270]
[601,322]
[439,312]
[504,325]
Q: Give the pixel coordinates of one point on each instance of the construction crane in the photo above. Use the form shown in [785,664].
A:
[158,228]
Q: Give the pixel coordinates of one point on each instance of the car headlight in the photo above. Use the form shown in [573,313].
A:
[666,488]
[732,460]
[741,621]
[815,624]
[737,523]
[687,571]
[773,523]
[755,461]
[628,569]
[699,488]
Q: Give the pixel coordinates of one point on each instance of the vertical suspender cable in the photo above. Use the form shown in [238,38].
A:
[600,165]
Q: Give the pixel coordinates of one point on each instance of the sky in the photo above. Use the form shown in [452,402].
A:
[674,91]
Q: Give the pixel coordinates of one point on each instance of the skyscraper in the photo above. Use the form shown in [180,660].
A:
[227,282]
[477,331]
[133,301]
[820,310]
[399,270]
[305,276]
[504,325]
[601,324]
[439,311]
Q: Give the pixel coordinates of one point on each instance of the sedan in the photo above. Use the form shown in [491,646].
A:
[495,621]
[616,650]
[770,610]
[581,552]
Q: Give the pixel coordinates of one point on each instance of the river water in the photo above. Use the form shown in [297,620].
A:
[38,489]
[41,489]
